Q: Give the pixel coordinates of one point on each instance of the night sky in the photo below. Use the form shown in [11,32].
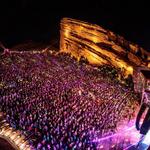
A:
[23,20]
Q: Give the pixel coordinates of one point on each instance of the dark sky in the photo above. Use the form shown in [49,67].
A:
[23,20]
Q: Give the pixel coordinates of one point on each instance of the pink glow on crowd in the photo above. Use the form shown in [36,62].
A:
[125,137]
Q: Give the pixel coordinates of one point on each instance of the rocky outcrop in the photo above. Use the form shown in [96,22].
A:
[100,46]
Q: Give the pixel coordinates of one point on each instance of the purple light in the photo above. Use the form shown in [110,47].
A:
[146,139]
[113,135]
[129,147]
[126,137]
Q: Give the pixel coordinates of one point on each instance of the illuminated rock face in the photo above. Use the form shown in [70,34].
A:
[100,46]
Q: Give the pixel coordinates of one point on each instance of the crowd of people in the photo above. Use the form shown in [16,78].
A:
[59,103]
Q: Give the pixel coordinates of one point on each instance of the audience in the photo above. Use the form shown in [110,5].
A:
[59,103]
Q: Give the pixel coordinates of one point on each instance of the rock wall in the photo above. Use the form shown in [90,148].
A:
[101,46]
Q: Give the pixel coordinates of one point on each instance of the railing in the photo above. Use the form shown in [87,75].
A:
[13,136]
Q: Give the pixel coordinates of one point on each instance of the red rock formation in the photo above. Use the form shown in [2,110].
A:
[100,46]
